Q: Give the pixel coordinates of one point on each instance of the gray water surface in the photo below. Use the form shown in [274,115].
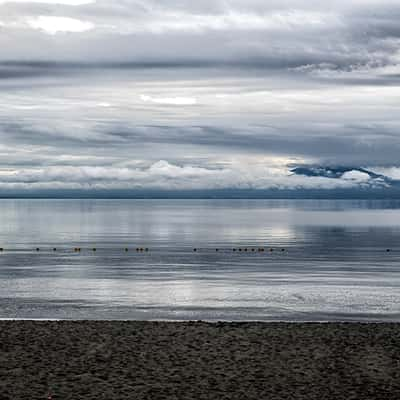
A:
[335,264]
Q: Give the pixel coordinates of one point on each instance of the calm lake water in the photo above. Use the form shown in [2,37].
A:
[335,265]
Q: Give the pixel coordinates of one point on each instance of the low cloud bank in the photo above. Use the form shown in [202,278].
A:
[164,175]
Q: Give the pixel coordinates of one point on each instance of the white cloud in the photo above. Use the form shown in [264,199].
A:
[392,172]
[175,101]
[66,2]
[357,176]
[53,25]
[104,104]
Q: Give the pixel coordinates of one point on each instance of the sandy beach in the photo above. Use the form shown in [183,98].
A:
[160,360]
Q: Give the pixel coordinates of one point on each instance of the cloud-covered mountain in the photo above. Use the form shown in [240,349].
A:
[349,173]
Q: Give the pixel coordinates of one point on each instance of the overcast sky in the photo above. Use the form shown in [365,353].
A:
[206,94]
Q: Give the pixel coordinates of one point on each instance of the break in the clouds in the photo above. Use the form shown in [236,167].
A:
[178,95]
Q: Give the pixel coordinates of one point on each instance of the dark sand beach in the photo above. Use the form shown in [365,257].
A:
[160,360]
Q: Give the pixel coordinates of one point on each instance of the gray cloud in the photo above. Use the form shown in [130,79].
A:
[286,34]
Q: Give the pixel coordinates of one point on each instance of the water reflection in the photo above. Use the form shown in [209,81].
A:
[335,266]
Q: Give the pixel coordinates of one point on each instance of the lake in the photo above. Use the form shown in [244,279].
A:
[321,260]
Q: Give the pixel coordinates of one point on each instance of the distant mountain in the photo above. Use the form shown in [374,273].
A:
[337,172]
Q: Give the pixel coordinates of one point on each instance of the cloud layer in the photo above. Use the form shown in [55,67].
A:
[136,94]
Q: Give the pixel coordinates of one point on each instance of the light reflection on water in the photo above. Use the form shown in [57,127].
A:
[335,265]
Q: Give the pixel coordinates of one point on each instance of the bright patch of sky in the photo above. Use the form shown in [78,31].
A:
[53,25]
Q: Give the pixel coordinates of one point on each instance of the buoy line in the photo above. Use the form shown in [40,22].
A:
[145,249]
[140,250]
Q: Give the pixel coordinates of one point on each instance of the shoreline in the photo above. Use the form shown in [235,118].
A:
[211,321]
[199,360]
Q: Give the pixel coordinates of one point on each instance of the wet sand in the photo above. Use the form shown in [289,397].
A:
[160,360]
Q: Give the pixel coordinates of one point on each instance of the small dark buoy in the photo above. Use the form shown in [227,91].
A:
[233,249]
[126,249]
[245,249]
[194,249]
[146,249]
[94,249]
[283,250]
[271,250]
[1,249]
[388,250]
[54,249]
[37,249]
[240,249]
[252,250]
[216,249]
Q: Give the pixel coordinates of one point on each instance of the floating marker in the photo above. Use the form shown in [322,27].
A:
[94,249]
[388,250]
[234,250]
[126,249]
[271,250]
[252,249]
[37,249]
[1,249]
[216,249]
[194,249]
[54,249]
[146,249]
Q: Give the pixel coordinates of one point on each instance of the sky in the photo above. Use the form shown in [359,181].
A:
[199,95]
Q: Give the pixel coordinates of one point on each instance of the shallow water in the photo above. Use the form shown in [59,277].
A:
[335,265]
